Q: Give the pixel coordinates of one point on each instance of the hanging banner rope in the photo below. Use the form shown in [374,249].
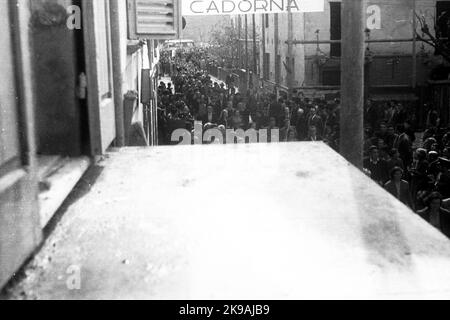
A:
[227,7]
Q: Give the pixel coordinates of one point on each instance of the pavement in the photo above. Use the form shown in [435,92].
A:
[261,221]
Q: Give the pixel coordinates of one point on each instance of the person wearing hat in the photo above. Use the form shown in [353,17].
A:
[382,132]
[372,114]
[222,87]
[224,119]
[433,160]
[404,146]
[443,179]
[399,188]
[393,160]
[376,166]
[391,136]
[313,135]
[419,172]
[429,142]
[315,120]
[210,116]
[435,214]
[301,124]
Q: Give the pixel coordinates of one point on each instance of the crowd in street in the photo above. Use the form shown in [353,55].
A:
[193,95]
[415,172]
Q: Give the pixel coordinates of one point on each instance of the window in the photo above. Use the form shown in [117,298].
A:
[266,18]
[335,30]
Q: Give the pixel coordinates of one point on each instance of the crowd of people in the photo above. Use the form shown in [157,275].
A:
[415,172]
[193,95]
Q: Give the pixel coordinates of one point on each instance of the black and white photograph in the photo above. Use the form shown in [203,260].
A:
[224,150]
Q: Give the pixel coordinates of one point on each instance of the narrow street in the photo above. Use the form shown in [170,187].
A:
[301,151]
[234,228]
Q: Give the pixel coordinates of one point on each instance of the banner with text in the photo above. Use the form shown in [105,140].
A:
[231,7]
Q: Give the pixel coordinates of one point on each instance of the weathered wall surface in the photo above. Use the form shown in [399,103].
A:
[395,18]
[132,64]
[395,22]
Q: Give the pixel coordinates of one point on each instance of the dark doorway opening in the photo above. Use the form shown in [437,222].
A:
[61,117]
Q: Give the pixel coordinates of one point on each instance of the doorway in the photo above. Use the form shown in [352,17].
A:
[61,116]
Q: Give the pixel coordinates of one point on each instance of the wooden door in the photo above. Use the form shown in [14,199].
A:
[97,42]
[20,231]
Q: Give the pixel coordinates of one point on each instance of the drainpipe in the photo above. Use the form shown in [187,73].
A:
[116,47]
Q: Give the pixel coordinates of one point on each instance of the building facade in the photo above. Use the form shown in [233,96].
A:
[395,60]
[73,84]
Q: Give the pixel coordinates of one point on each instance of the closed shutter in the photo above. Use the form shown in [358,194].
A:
[154,19]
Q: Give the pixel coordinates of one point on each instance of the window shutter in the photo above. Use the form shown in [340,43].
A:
[154,19]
